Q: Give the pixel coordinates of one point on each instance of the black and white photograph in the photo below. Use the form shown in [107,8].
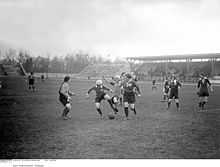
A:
[109,79]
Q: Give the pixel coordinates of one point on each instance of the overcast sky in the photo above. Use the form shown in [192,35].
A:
[116,27]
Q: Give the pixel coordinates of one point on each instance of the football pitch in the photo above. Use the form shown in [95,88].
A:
[31,126]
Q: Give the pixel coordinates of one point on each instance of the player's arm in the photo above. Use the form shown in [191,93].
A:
[109,82]
[27,80]
[122,90]
[138,89]
[210,85]
[107,89]
[198,84]
[90,90]
[64,91]
[71,93]
[179,85]
[169,87]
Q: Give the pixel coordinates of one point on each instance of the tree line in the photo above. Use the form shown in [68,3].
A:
[70,63]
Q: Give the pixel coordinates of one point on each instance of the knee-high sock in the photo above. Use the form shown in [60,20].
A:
[169,104]
[65,112]
[99,111]
[164,97]
[120,100]
[110,102]
[200,104]
[177,105]
[203,104]
[126,111]
[133,109]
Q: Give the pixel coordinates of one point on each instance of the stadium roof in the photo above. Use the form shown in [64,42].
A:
[177,57]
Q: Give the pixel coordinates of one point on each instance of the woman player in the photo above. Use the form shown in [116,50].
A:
[130,89]
[203,92]
[65,97]
[101,95]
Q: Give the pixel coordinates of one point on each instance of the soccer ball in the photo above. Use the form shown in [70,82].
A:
[111,116]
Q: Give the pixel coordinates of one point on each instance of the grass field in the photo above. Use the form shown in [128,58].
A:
[31,127]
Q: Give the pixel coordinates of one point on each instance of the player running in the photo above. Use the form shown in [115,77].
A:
[154,87]
[130,89]
[65,97]
[101,95]
[174,92]
[203,92]
[117,84]
[31,82]
[165,89]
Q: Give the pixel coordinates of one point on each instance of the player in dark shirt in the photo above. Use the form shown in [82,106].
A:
[42,78]
[116,84]
[101,94]
[130,89]
[203,90]
[65,97]
[174,92]
[31,81]
[166,89]
[154,87]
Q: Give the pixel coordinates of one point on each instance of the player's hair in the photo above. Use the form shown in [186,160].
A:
[66,78]
[202,75]
[99,82]
[128,76]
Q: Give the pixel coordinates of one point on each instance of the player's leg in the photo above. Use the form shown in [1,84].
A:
[169,103]
[126,109]
[164,96]
[97,105]
[67,110]
[33,87]
[108,98]
[201,101]
[132,106]
[115,101]
[205,100]
[170,100]
[131,101]
[120,100]
[177,103]
[63,100]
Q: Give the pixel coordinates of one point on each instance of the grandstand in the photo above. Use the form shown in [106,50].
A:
[187,66]
[108,70]
[12,70]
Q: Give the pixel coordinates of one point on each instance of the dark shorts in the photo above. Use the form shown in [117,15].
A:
[63,99]
[31,81]
[130,98]
[166,90]
[173,95]
[203,93]
[98,99]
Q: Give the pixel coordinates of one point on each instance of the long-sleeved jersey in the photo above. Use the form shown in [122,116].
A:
[99,90]
[64,89]
[130,87]
[203,84]
[117,88]
[174,86]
